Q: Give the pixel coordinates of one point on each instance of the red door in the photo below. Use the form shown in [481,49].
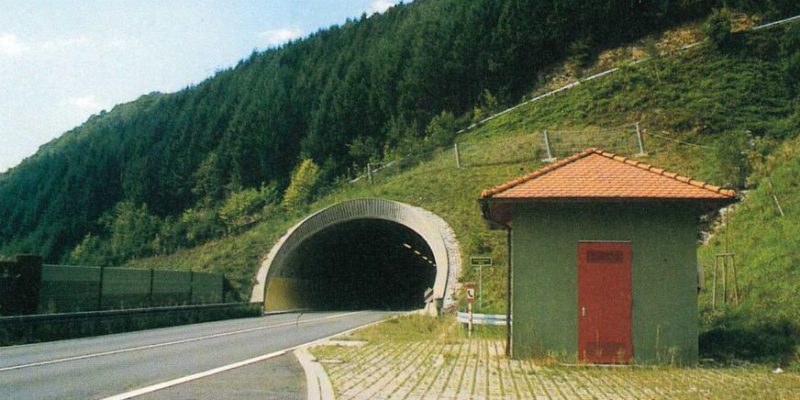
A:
[604,302]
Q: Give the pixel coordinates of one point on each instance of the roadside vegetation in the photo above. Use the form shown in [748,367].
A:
[725,111]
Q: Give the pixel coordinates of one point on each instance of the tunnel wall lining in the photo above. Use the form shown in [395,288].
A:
[434,230]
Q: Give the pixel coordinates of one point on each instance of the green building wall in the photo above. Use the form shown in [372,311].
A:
[664,277]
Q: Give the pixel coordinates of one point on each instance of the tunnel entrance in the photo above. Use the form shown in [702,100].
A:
[359,254]
[364,264]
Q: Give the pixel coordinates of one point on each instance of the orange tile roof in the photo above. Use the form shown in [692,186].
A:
[596,174]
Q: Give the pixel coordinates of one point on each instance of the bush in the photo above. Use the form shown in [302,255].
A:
[738,335]
[201,224]
[730,159]
[717,29]
[441,131]
[243,207]
[301,188]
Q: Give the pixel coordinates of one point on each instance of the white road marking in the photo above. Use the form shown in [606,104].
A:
[188,378]
[156,345]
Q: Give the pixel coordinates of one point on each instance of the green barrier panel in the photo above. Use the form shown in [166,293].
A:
[171,288]
[76,288]
[126,288]
[206,288]
[68,289]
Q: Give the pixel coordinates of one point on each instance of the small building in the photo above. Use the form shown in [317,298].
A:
[603,259]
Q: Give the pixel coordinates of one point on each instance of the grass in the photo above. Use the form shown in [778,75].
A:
[698,96]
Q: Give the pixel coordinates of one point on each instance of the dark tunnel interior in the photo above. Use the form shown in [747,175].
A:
[365,264]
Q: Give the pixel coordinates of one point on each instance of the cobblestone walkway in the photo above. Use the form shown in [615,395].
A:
[477,369]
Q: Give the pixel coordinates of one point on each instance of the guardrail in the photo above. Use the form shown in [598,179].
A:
[85,315]
[21,329]
[483,319]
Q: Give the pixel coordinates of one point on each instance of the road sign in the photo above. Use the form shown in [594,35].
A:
[471,294]
[480,261]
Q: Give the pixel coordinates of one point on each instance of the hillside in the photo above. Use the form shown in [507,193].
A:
[725,111]
[341,97]
[724,115]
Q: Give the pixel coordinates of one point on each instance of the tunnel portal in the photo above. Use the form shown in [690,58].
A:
[364,264]
[361,254]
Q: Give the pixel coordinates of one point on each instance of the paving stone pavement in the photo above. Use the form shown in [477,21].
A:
[478,369]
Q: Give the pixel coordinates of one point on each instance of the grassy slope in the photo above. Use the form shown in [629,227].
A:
[697,96]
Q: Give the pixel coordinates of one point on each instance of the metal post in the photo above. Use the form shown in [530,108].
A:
[480,287]
[714,287]
[550,157]
[639,138]
[458,158]
[508,292]
[191,285]
[735,281]
[469,322]
[724,279]
[100,289]
[150,293]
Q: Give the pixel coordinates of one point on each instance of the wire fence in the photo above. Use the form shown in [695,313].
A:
[546,145]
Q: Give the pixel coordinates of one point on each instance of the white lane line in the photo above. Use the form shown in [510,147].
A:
[188,378]
[156,345]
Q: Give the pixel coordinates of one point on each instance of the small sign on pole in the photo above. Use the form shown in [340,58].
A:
[469,290]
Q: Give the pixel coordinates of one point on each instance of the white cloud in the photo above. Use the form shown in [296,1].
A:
[51,45]
[118,43]
[86,103]
[379,6]
[10,45]
[275,37]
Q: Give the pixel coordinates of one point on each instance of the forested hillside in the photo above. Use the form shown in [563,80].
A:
[170,167]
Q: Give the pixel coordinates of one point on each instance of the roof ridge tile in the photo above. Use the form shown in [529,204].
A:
[625,160]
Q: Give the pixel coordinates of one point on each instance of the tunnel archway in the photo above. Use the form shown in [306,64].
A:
[363,253]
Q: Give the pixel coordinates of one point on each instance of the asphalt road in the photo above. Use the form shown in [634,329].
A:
[111,365]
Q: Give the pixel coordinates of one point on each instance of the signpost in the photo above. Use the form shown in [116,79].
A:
[469,289]
[479,263]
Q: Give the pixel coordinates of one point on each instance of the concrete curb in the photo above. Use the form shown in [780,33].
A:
[318,384]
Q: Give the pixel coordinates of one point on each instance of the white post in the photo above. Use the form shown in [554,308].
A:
[639,138]
[369,173]
[469,324]
[458,159]
[480,287]
[550,157]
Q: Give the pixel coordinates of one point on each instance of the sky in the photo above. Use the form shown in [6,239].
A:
[62,61]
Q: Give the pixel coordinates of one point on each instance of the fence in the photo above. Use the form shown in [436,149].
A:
[483,319]
[30,287]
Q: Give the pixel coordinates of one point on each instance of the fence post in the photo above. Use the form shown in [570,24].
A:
[639,138]
[369,173]
[100,289]
[550,157]
[150,293]
[191,285]
[458,158]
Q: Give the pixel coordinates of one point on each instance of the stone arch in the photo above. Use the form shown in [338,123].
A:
[436,233]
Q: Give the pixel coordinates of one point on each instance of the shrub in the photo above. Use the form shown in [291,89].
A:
[301,188]
[243,207]
[717,29]
[201,224]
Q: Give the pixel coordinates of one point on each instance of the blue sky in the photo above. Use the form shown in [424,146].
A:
[62,61]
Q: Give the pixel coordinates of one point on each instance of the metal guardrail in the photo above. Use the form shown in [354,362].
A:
[110,313]
[483,319]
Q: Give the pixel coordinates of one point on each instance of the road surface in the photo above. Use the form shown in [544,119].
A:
[190,360]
